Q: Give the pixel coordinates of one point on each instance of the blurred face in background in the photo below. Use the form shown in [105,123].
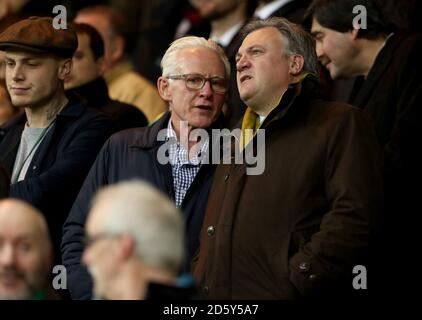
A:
[114,45]
[101,253]
[25,252]
[85,68]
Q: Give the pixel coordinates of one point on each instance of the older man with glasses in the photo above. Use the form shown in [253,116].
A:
[194,84]
[135,245]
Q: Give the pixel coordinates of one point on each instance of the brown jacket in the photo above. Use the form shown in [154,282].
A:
[300,227]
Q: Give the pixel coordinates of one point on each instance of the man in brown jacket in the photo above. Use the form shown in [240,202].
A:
[299,228]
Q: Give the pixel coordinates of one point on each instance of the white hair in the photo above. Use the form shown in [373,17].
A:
[169,61]
[137,209]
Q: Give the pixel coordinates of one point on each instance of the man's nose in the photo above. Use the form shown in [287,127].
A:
[206,90]
[319,50]
[7,255]
[242,63]
[17,73]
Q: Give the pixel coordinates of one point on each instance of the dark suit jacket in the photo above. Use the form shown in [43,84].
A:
[60,163]
[392,96]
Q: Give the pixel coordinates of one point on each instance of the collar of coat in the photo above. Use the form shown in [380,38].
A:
[306,89]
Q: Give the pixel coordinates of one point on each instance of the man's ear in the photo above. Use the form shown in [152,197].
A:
[65,68]
[164,88]
[100,65]
[127,247]
[118,49]
[296,64]
[354,34]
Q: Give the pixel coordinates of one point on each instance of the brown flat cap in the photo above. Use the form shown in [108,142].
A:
[37,34]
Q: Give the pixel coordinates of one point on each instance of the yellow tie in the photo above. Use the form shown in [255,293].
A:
[250,121]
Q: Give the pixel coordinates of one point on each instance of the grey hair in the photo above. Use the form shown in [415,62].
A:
[169,61]
[297,41]
[137,209]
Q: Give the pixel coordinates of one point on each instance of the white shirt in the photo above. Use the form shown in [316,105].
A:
[266,11]
[225,39]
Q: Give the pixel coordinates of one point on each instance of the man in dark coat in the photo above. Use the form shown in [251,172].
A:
[390,91]
[299,228]
[49,149]
[86,80]
[194,83]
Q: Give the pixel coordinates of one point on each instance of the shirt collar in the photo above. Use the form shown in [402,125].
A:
[179,154]
[225,39]
[266,11]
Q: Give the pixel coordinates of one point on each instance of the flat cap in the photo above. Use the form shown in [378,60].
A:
[37,34]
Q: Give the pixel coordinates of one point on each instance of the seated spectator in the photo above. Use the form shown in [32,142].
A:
[135,244]
[26,253]
[123,82]
[86,80]
[49,149]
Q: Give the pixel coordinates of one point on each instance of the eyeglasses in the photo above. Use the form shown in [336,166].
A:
[197,82]
[90,240]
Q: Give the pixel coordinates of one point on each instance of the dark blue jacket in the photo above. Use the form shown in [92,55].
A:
[61,162]
[127,155]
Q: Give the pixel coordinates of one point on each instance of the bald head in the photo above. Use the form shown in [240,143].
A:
[24,218]
[25,251]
